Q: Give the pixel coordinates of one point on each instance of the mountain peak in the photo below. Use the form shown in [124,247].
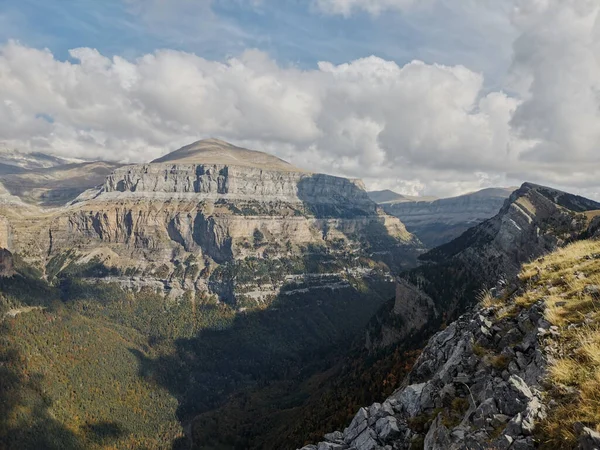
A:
[575,203]
[216,151]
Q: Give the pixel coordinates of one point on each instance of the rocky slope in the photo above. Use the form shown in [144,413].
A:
[194,219]
[477,384]
[437,221]
[535,220]
[518,371]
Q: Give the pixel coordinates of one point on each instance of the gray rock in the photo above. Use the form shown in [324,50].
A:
[410,399]
[520,386]
[513,428]
[357,426]
[387,428]
[336,437]
[331,446]
[485,410]
[523,444]
[592,289]
[438,437]
[365,441]
[589,439]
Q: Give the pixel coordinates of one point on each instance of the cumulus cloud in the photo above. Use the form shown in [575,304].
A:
[374,7]
[369,118]
[556,68]
[418,128]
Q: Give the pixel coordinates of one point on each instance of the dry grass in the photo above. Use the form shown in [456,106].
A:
[486,299]
[560,279]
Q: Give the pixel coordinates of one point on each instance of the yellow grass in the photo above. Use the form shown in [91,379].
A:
[574,379]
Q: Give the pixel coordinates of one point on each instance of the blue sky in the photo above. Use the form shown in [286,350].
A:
[291,31]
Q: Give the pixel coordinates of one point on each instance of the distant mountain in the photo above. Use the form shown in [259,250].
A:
[437,221]
[56,185]
[387,196]
[216,151]
[33,160]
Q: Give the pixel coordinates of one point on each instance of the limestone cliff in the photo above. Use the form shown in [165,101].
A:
[534,220]
[181,219]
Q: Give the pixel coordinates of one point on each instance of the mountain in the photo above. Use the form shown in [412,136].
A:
[212,273]
[534,220]
[219,297]
[519,371]
[428,298]
[387,196]
[437,221]
[32,160]
[212,204]
[215,151]
[55,186]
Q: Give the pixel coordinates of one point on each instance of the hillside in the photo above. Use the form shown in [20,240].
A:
[215,272]
[378,359]
[519,371]
[387,196]
[438,221]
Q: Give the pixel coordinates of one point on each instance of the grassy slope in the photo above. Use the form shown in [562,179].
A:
[565,279]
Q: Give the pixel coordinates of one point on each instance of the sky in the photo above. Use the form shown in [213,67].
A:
[425,97]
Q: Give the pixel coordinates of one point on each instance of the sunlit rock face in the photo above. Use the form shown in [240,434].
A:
[184,217]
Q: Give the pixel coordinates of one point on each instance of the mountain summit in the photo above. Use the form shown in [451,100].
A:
[215,151]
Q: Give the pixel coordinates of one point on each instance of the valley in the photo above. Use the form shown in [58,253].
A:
[220,298]
[207,279]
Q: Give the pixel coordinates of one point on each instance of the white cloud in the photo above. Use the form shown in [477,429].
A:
[374,7]
[556,68]
[420,127]
[369,118]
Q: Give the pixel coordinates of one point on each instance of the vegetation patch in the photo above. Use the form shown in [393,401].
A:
[568,280]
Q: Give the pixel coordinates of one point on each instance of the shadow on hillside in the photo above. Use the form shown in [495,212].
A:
[297,336]
[26,422]
[372,233]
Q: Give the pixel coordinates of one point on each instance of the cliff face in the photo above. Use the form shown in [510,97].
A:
[179,222]
[477,384]
[518,371]
[535,220]
[238,183]
[438,221]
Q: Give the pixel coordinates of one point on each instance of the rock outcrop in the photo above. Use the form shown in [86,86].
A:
[476,385]
[7,267]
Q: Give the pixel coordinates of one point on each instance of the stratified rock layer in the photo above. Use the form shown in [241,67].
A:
[176,220]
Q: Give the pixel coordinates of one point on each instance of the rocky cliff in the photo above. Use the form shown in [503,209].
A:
[437,221]
[476,385]
[534,220]
[516,372]
[194,219]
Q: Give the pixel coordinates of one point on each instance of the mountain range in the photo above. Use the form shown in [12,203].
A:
[437,221]
[219,297]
